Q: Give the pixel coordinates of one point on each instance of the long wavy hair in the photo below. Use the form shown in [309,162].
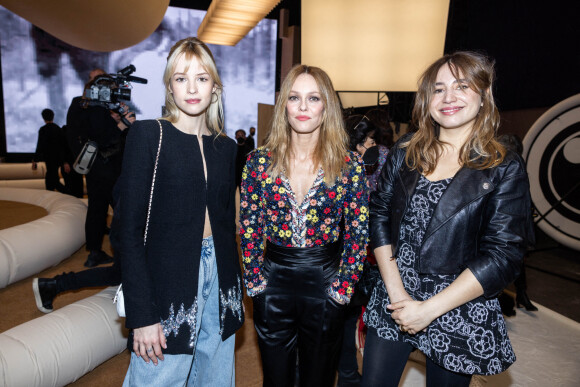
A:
[480,150]
[332,146]
[191,48]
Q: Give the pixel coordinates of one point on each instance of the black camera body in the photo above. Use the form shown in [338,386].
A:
[109,90]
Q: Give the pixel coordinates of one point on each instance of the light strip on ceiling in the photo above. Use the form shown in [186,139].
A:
[228,21]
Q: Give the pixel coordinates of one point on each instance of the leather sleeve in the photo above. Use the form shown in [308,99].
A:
[506,230]
[380,199]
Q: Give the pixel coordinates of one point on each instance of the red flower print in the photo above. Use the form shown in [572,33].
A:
[256,270]
[278,181]
[354,277]
[325,237]
[310,231]
[326,210]
[277,197]
[250,246]
[341,291]
[264,175]
[318,242]
[332,194]
[345,284]
[284,227]
[250,188]
[350,259]
[247,253]
[347,159]
[346,236]
[357,211]
[254,174]
[355,246]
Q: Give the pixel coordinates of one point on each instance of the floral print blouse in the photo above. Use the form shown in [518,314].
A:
[268,208]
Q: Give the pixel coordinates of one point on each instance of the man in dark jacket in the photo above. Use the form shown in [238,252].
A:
[51,148]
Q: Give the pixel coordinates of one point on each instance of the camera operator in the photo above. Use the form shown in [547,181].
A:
[108,129]
[75,133]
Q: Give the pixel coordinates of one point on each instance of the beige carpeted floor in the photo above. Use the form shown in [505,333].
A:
[17,306]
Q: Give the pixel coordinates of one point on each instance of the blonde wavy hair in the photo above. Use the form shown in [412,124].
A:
[481,150]
[332,146]
[194,48]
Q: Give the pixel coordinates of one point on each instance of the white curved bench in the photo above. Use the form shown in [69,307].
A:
[58,348]
[29,248]
[21,175]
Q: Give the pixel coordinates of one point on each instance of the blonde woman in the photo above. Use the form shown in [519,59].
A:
[294,192]
[183,295]
[450,222]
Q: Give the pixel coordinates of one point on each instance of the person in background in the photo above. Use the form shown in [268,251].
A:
[51,148]
[295,191]
[514,143]
[251,139]
[242,154]
[366,139]
[109,133]
[182,287]
[450,223]
[75,132]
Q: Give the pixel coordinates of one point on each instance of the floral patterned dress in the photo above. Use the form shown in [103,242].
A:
[470,339]
[268,207]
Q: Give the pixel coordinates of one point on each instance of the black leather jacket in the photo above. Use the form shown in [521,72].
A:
[482,221]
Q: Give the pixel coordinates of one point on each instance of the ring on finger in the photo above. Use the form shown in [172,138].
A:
[150,349]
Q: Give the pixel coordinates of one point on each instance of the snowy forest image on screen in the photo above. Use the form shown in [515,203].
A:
[40,71]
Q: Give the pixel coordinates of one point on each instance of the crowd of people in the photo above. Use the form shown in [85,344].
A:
[434,226]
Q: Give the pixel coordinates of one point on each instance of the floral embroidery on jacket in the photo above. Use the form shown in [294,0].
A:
[268,208]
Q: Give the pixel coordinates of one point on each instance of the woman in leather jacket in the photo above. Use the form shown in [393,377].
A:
[449,223]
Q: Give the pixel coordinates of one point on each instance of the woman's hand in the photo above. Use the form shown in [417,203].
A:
[148,341]
[412,316]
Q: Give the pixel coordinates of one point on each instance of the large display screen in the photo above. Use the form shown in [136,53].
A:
[40,71]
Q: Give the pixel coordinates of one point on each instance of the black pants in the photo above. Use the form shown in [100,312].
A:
[51,179]
[100,192]
[98,276]
[347,363]
[385,360]
[295,316]
[74,183]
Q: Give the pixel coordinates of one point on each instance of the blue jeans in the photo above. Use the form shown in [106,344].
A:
[212,361]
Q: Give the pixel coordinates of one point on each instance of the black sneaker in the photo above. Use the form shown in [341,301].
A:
[96,258]
[44,292]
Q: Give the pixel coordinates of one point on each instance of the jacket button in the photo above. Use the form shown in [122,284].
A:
[485,185]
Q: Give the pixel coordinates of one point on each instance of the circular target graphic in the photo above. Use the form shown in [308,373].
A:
[552,154]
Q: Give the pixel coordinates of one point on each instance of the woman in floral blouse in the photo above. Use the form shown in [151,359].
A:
[295,190]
